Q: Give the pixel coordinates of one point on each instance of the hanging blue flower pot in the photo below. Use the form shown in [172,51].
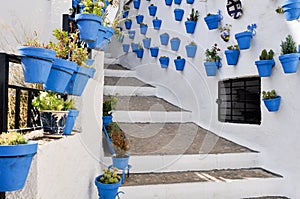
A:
[125,13]
[164,62]
[120,163]
[289,62]
[178,2]
[168,2]
[107,191]
[125,48]
[79,80]
[244,39]
[264,67]
[106,120]
[156,23]
[131,34]
[134,47]
[109,33]
[15,161]
[147,42]
[191,50]
[88,25]
[100,38]
[190,26]
[211,68]
[272,104]
[175,43]
[189,1]
[72,115]
[152,10]
[36,63]
[164,39]
[178,14]
[232,56]
[291,9]
[212,21]
[60,75]
[139,19]
[136,4]
[154,51]
[143,29]
[128,24]
[179,64]
[139,53]
[54,122]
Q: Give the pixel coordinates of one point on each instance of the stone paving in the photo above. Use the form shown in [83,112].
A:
[124,81]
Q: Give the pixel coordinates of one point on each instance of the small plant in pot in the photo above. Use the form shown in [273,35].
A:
[152,10]
[232,54]
[244,38]
[156,23]
[191,49]
[212,20]
[164,61]
[191,22]
[265,63]
[108,106]
[143,28]
[271,100]
[128,23]
[289,57]
[139,51]
[213,60]
[179,63]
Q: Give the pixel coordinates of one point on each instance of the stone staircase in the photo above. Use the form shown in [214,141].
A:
[172,157]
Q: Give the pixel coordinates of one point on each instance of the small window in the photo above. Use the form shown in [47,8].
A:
[239,100]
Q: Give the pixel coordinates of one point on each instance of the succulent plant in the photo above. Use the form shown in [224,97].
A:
[194,16]
[233,47]
[110,176]
[12,138]
[288,46]
[265,55]
[269,94]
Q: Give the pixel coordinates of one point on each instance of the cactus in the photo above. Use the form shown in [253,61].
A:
[288,46]
[265,55]
[269,95]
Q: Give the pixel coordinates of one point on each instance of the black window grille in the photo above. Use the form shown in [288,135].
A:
[239,100]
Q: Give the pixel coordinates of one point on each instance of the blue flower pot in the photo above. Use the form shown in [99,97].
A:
[108,141]
[178,2]
[232,56]
[178,14]
[244,40]
[134,47]
[72,115]
[291,9]
[189,1]
[212,21]
[107,191]
[128,24]
[290,62]
[36,63]
[139,53]
[147,42]
[120,163]
[109,33]
[106,120]
[125,13]
[143,29]
[154,51]
[136,4]
[168,2]
[272,104]
[264,67]
[54,122]
[152,10]
[211,68]
[190,26]
[88,25]
[100,39]
[60,75]
[191,50]
[164,62]
[125,48]
[179,64]
[131,34]
[15,161]
[156,23]
[139,19]
[175,43]
[79,80]
[164,39]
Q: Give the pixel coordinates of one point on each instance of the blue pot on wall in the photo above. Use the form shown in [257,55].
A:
[244,40]
[134,47]
[179,64]
[120,163]
[143,29]
[190,26]
[139,19]
[106,120]
[212,21]
[291,9]
[178,2]
[125,48]
[131,34]
[128,24]
[147,42]
[272,104]
[107,191]
[156,23]
[100,39]
[154,51]
[164,39]
[264,67]
[175,43]
[232,56]
[72,115]
[178,14]
[191,50]
[88,25]
[139,53]
[54,122]
[136,4]
[109,33]
[164,62]
[125,13]
[168,2]
[211,68]
[152,10]
[189,1]
[289,62]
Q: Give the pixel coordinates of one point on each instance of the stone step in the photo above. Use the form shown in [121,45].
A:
[116,70]
[214,184]
[269,197]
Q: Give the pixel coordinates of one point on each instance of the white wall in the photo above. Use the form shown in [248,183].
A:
[277,136]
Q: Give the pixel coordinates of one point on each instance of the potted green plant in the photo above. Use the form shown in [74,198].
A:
[128,23]
[179,63]
[244,38]
[191,22]
[143,28]
[191,49]
[54,111]
[152,9]
[265,63]
[139,51]
[107,109]
[213,60]
[289,57]
[16,155]
[271,100]
[156,23]
[164,61]
[232,54]
[212,20]
[126,10]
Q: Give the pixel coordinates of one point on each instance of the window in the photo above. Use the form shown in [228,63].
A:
[239,100]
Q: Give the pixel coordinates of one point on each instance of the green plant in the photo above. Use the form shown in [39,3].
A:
[279,10]
[288,46]
[269,94]
[12,138]
[110,176]
[233,47]
[151,4]
[94,7]
[192,43]
[209,14]
[212,54]
[265,55]
[119,140]
[108,105]
[194,16]
[50,101]
[163,56]
[178,57]
[143,24]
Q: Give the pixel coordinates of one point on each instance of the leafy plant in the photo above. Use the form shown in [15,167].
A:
[163,56]
[96,7]
[269,95]
[178,57]
[266,55]
[233,47]
[279,10]
[119,140]
[288,46]
[12,138]
[110,176]
[212,54]
[194,16]
[50,101]
[108,105]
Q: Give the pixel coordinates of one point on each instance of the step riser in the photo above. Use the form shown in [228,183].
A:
[119,73]
[129,91]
